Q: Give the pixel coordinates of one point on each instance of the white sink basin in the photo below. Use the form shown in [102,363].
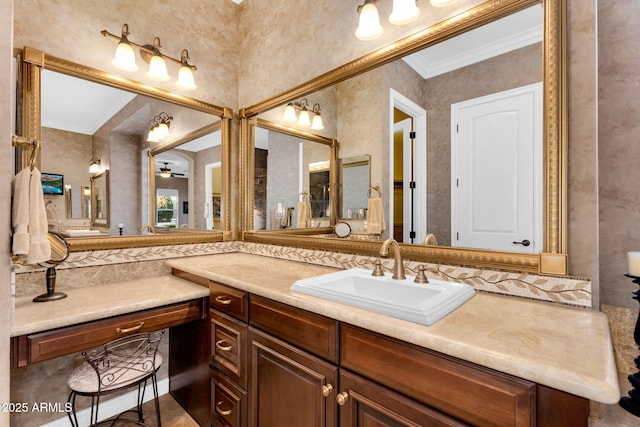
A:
[419,303]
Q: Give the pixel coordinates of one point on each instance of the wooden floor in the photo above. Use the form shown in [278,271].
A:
[171,413]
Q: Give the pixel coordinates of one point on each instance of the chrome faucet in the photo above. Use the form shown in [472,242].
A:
[398,266]
[149,228]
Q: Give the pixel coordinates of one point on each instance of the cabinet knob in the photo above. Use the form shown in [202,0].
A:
[327,389]
[341,398]
[221,299]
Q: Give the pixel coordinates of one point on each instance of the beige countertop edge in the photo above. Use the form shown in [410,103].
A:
[119,298]
[598,385]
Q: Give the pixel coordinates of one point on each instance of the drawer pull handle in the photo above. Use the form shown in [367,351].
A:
[341,398]
[326,390]
[221,345]
[222,412]
[221,299]
[131,329]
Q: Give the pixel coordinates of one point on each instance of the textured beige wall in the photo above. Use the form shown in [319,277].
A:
[619,146]
[71,30]
[508,71]
[6,174]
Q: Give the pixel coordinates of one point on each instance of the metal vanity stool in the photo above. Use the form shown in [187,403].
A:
[119,364]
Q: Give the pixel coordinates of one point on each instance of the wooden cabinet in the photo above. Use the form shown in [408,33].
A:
[272,364]
[364,403]
[289,387]
[228,316]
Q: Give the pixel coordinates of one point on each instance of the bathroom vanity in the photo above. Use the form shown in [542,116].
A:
[278,357]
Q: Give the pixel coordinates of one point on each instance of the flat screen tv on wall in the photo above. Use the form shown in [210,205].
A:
[52,183]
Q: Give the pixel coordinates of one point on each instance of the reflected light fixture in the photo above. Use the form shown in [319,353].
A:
[442,3]
[94,165]
[165,172]
[304,118]
[404,11]
[124,59]
[369,26]
[159,127]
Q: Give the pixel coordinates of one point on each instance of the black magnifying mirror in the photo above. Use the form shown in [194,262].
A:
[59,253]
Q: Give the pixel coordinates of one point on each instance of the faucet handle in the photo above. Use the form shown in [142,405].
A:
[377,270]
[420,277]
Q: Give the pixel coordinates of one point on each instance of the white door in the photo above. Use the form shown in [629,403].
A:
[496,179]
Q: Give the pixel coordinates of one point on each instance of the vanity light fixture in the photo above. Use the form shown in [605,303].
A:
[94,165]
[125,59]
[403,12]
[159,127]
[304,118]
[442,3]
[369,27]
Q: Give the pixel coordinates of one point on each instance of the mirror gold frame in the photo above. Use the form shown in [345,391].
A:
[553,258]
[32,63]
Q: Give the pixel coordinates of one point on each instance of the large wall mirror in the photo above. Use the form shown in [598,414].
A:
[464,129]
[85,116]
[293,177]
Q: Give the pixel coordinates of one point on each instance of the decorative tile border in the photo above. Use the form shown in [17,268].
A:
[567,291]
[562,290]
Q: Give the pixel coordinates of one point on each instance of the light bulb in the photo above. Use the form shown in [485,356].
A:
[316,123]
[125,57]
[290,113]
[185,78]
[404,11]
[441,3]
[304,119]
[369,26]
[158,69]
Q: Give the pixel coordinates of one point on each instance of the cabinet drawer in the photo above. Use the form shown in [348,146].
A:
[228,346]
[477,395]
[47,345]
[229,300]
[228,403]
[367,403]
[312,332]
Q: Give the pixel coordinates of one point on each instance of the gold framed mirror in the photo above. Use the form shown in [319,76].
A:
[551,254]
[141,102]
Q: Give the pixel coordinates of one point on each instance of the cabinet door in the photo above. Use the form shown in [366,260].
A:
[289,387]
[366,404]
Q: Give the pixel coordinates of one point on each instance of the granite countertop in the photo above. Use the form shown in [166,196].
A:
[561,347]
[102,301]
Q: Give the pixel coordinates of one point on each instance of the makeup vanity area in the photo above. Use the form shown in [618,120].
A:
[245,349]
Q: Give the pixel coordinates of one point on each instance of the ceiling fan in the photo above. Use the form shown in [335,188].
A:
[165,172]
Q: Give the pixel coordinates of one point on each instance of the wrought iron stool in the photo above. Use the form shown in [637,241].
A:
[122,363]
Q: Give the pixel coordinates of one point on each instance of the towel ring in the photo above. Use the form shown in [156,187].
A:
[376,189]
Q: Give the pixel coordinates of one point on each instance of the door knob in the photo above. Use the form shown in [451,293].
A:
[341,398]
[525,242]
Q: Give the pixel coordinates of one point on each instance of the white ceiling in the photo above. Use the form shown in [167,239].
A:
[496,38]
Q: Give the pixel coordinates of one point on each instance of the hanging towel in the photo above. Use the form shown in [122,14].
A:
[375,216]
[304,214]
[20,212]
[39,246]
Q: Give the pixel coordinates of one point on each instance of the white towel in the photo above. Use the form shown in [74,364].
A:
[375,216]
[39,246]
[20,212]
[30,228]
[304,214]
